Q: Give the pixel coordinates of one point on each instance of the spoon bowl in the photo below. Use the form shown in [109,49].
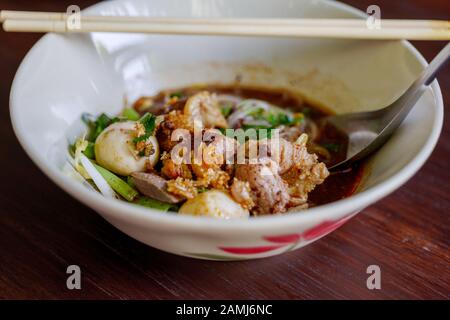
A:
[368,131]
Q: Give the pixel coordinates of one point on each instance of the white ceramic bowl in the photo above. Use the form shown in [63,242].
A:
[65,75]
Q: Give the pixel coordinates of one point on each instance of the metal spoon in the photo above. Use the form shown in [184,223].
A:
[368,131]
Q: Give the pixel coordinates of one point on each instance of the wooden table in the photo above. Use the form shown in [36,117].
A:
[43,230]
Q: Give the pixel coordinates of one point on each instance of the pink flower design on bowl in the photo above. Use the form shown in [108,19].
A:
[250,250]
[289,240]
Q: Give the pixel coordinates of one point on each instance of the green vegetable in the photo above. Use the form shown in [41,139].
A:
[178,95]
[148,121]
[256,113]
[155,204]
[90,150]
[100,124]
[333,147]
[202,189]
[86,147]
[223,131]
[272,119]
[277,119]
[285,119]
[130,182]
[117,184]
[97,126]
[273,115]
[226,109]
[130,114]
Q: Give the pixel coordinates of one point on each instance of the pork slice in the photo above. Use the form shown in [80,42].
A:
[269,192]
[154,186]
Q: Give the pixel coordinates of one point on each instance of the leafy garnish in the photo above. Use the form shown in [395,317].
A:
[262,111]
[272,119]
[130,114]
[277,119]
[202,189]
[257,113]
[285,119]
[97,126]
[101,123]
[148,121]
[178,95]
[141,138]
[226,109]
[90,150]
[223,131]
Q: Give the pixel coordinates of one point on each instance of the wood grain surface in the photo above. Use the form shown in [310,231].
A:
[43,230]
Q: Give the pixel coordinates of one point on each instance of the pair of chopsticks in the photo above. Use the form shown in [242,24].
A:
[27,21]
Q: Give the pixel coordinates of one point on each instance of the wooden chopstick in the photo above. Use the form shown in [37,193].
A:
[230,30]
[26,21]
[398,23]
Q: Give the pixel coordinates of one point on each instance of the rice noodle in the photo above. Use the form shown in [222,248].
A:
[320,151]
[312,130]
[229,98]
[244,108]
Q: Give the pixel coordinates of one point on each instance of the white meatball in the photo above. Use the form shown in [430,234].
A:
[216,204]
[114,149]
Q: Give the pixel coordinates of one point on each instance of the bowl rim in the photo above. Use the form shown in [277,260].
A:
[139,215]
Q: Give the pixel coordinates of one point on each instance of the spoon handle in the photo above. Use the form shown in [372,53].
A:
[401,107]
[429,74]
